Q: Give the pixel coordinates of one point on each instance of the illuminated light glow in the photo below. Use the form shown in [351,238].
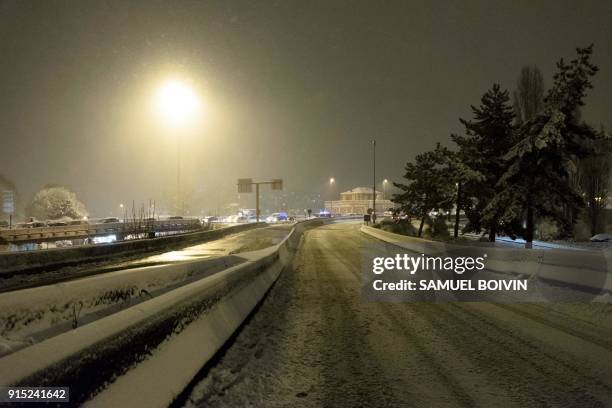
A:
[108,239]
[177,102]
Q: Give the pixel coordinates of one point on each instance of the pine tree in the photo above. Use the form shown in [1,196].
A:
[430,184]
[488,138]
[548,148]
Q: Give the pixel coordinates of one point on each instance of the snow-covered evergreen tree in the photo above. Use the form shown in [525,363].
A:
[430,184]
[548,147]
[488,138]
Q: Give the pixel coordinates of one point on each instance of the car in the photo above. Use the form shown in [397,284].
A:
[109,220]
[36,224]
[175,217]
[57,223]
[78,222]
[277,217]
[601,238]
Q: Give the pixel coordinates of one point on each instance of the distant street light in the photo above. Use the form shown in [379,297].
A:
[332,180]
[178,104]
[385,182]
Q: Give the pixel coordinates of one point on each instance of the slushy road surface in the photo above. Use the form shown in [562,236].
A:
[250,240]
[314,342]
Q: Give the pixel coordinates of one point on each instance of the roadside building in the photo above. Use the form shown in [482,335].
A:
[357,201]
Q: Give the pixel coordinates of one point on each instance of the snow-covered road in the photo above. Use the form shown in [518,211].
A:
[30,315]
[235,243]
[314,342]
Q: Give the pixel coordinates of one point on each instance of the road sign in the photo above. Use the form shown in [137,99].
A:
[245,185]
[8,202]
[277,184]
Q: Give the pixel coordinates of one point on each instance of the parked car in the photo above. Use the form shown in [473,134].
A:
[175,217]
[57,223]
[109,220]
[601,238]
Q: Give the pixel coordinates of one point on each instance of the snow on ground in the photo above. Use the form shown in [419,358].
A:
[316,342]
[234,243]
[30,315]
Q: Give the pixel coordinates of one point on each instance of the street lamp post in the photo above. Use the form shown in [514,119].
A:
[331,210]
[178,104]
[373,181]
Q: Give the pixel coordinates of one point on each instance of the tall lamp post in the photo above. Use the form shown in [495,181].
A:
[178,105]
[373,181]
[331,210]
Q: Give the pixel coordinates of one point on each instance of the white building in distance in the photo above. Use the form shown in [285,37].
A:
[358,201]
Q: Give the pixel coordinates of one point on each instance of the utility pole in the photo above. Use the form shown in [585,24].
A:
[179,199]
[373,181]
[457,209]
[257,211]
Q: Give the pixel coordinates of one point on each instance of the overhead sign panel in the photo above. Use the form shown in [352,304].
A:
[277,184]
[8,202]
[245,185]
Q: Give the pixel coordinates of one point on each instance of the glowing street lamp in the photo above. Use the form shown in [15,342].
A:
[385,182]
[178,104]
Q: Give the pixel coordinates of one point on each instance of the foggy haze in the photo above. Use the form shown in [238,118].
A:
[291,89]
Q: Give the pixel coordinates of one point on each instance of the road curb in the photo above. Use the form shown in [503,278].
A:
[586,270]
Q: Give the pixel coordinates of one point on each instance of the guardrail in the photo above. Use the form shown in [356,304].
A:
[144,355]
[67,232]
[32,261]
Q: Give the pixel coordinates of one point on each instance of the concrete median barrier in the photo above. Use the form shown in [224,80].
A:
[145,355]
[33,261]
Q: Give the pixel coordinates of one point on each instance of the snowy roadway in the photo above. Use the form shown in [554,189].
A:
[240,242]
[83,295]
[315,343]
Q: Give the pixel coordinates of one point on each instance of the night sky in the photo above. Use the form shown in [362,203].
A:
[292,89]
